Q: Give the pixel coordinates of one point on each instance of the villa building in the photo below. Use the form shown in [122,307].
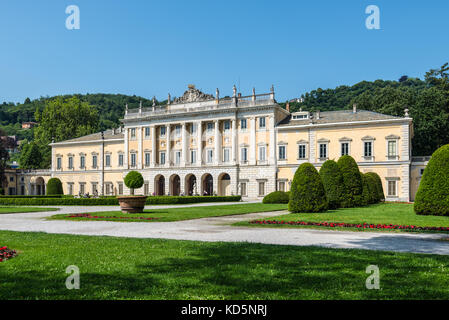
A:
[248,145]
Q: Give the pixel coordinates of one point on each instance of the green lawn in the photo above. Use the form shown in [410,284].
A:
[384,213]
[177,214]
[125,268]
[12,209]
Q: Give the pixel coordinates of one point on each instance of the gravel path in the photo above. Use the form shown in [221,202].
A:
[219,229]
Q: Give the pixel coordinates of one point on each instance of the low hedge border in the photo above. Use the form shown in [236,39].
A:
[112,201]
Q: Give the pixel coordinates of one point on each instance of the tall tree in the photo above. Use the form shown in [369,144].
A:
[30,156]
[4,157]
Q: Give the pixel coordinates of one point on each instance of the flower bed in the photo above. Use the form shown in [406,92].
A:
[89,216]
[351,225]
[6,253]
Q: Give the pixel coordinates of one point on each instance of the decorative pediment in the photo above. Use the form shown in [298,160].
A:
[282,143]
[392,137]
[368,138]
[193,95]
[345,139]
[323,140]
[302,141]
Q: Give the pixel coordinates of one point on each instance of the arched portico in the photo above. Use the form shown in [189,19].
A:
[159,185]
[37,185]
[224,184]
[175,185]
[207,185]
[191,185]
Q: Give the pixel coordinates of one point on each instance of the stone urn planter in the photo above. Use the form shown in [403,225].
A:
[132,204]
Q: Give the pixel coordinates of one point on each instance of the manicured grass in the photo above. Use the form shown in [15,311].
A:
[124,268]
[177,214]
[384,213]
[12,209]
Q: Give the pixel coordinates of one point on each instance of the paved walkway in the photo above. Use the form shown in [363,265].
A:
[219,229]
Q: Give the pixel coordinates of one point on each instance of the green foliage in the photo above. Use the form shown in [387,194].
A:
[379,190]
[4,157]
[133,180]
[352,182]
[105,201]
[432,197]
[366,192]
[54,186]
[333,183]
[30,156]
[307,191]
[276,197]
[371,183]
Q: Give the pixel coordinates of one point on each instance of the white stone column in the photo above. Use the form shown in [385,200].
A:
[168,148]
[153,147]
[125,158]
[252,141]
[234,142]
[199,143]
[272,147]
[184,144]
[217,143]
[139,147]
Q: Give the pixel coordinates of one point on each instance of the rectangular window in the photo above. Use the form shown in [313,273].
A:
[146,188]
[261,122]
[120,160]
[82,189]
[301,151]
[323,151]
[70,187]
[70,162]
[133,133]
[210,155]
[281,185]
[108,160]
[58,163]
[108,188]
[147,132]
[227,125]
[120,188]
[163,131]
[147,159]
[162,158]
[243,124]
[210,126]
[82,162]
[178,130]
[282,153]
[261,188]
[344,148]
[133,159]
[192,156]
[193,128]
[392,188]
[94,188]
[178,157]
[244,154]
[368,149]
[226,155]
[262,153]
[392,148]
[243,189]
[94,161]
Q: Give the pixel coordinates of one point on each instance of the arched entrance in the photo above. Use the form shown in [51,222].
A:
[159,185]
[39,187]
[175,185]
[207,183]
[191,187]
[224,185]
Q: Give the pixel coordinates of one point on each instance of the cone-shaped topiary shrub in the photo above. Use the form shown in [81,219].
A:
[307,192]
[432,197]
[372,188]
[379,190]
[54,186]
[332,182]
[366,197]
[133,180]
[276,197]
[352,181]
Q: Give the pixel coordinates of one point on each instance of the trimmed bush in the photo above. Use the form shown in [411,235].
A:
[276,197]
[379,190]
[54,187]
[307,192]
[352,181]
[369,194]
[372,188]
[332,182]
[432,197]
[112,201]
[133,180]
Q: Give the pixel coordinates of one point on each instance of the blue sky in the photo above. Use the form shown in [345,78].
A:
[154,47]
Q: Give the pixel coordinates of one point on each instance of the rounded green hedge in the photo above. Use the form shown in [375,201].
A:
[378,188]
[332,182]
[54,187]
[307,192]
[133,180]
[432,197]
[352,181]
[276,197]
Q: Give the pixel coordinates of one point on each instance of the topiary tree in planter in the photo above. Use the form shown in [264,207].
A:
[54,187]
[378,188]
[276,197]
[307,192]
[432,197]
[332,182]
[352,181]
[132,204]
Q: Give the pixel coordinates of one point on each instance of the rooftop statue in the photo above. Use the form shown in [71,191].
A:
[193,95]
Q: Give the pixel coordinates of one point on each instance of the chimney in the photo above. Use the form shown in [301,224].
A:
[354,108]
[287,106]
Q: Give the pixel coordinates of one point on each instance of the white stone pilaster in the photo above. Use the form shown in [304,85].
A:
[217,143]
[252,141]
[199,143]
[153,147]
[168,146]
[139,147]
[234,142]
[126,156]
[184,144]
[272,146]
